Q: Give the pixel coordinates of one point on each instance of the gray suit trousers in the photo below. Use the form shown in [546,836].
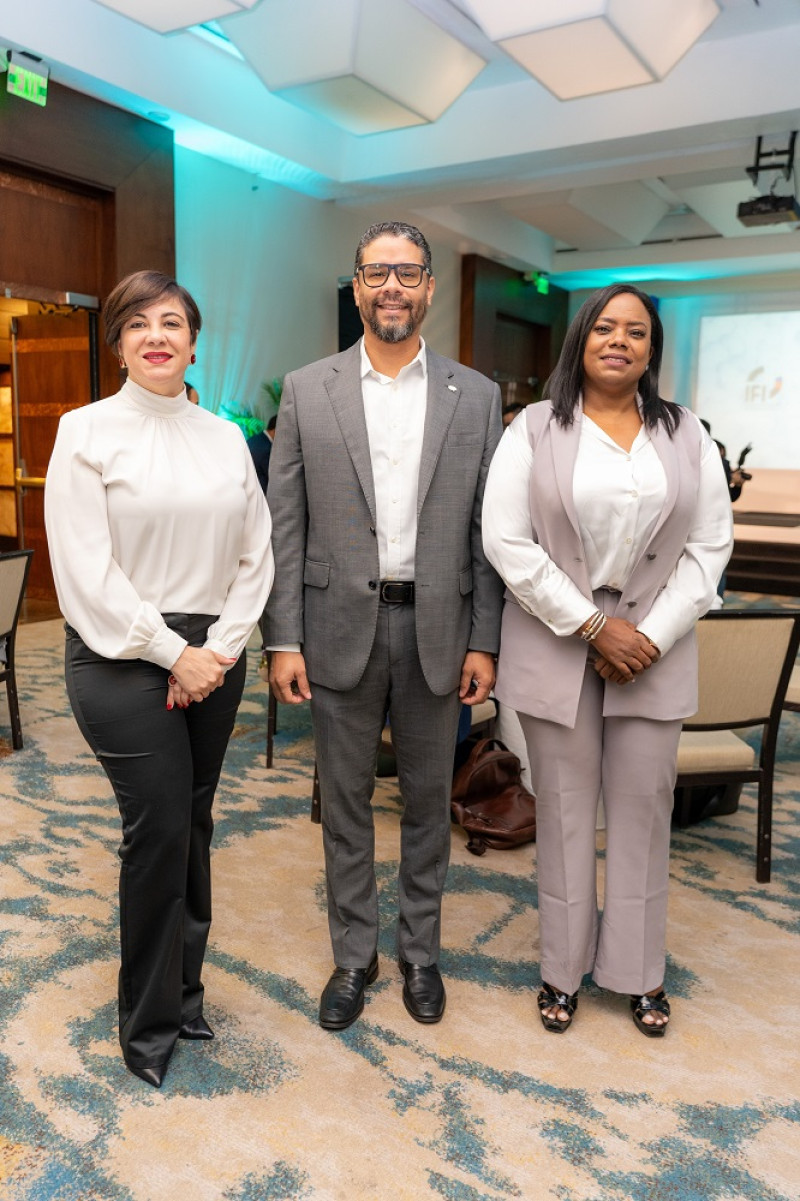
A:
[347,731]
[633,761]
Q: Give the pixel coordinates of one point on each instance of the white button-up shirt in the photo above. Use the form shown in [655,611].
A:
[618,497]
[395,415]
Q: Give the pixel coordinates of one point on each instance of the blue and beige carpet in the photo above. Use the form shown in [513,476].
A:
[485,1105]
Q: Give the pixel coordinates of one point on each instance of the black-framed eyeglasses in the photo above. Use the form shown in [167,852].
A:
[410,275]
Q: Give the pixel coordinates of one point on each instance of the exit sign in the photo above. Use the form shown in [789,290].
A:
[27,79]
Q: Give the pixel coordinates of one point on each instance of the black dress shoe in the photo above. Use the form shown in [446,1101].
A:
[196,1028]
[153,1075]
[343,998]
[423,991]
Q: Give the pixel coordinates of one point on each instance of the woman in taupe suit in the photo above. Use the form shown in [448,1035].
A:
[607,514]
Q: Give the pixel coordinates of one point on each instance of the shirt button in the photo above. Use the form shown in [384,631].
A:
[628,541]
[634,493]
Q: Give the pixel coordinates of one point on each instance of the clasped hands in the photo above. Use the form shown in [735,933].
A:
[196,673]
[622,651]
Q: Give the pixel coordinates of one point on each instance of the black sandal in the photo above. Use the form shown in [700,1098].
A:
[656,1004]
[548,998]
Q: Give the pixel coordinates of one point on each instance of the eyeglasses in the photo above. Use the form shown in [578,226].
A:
[410,275]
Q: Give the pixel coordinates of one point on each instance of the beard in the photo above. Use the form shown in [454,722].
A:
[399,328]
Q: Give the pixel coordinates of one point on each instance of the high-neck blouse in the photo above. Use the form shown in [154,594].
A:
[152,506]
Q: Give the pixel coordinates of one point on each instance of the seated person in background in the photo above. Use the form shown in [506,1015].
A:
[191,394]
[260,447]
[734,475]
[510,412]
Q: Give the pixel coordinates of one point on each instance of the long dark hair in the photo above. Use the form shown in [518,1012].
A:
[564,386]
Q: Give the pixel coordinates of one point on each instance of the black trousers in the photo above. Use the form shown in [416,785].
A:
[164,766]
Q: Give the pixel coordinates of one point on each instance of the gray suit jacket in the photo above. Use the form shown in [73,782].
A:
[322,499]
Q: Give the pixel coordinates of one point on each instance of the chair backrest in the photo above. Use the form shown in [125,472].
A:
[13,576]
[745,661]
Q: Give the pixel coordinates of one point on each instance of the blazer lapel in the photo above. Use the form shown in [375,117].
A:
[443,396]
[344,390]
[565,442]
[667,452]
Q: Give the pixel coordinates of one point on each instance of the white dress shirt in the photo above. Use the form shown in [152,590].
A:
[618,497]
[395,415]
[153,506]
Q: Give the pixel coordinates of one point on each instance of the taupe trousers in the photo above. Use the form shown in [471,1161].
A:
[633,761]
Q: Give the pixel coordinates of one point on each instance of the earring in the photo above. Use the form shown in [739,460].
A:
[193,359]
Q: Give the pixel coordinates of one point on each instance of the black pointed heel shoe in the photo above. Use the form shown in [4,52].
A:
[152,1075]
[196,1029]
[548,998]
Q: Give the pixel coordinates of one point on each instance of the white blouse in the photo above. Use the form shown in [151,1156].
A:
[618,497]
[152,506]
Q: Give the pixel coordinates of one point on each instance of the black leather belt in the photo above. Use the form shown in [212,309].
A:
[397,592]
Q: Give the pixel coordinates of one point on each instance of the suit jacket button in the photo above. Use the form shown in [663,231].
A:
[651,557]
[632,604]
[373,584]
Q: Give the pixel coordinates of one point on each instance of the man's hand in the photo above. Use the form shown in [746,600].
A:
[477,677]
[287,677]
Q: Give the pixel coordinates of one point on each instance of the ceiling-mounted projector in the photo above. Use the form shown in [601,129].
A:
[769,210]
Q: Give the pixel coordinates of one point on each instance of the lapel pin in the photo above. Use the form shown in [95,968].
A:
[452,387]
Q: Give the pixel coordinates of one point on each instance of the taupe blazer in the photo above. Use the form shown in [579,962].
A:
[540,673]
[322,500]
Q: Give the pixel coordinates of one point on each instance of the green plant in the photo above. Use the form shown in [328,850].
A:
[246,421]
[273,389]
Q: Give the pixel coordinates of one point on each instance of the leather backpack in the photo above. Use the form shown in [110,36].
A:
[490,801]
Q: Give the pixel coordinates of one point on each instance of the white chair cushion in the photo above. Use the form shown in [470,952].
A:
[713,750]
[485,711]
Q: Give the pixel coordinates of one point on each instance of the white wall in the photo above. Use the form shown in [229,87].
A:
[263,264]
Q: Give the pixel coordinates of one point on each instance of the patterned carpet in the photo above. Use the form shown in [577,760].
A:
[485,1105]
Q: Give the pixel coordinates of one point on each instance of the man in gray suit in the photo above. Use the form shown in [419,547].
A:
[383,600]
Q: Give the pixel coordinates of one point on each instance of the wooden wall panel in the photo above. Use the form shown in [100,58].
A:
[77,142]
[494,299]
[63,235]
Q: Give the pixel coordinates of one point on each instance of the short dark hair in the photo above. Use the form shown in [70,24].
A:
[564,386]
[273,421]
[397,229]
[138,291]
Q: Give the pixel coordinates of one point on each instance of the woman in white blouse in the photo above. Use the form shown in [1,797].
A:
[607,514]
[159,538]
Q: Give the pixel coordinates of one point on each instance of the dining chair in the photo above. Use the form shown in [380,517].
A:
[792,699]
[746,658]
[14,567]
